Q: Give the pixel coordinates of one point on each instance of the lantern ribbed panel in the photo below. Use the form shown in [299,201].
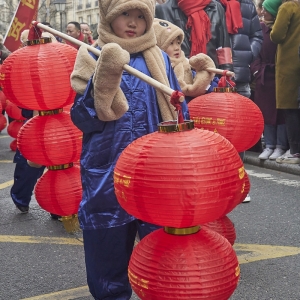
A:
[13,111]
[50,140]
[192,267]
[3,122]
[224,227]
[14,127]
[38,77]
[234,116]
[179,179]
[59,192]
[2,100]
[13,145]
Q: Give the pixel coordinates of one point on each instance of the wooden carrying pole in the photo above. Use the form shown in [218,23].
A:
[156,84]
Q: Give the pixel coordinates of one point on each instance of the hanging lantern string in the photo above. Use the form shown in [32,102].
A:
[176,103]
[225,80]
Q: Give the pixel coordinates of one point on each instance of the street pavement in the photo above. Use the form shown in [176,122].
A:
[39,260]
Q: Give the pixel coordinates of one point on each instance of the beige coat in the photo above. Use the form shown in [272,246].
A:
[286,33]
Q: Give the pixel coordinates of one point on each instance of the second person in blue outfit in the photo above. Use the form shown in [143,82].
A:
[114,109]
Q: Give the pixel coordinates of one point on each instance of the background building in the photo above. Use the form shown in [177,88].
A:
[74,10]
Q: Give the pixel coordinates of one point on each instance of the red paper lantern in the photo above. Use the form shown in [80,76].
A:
[2,100]
[56,140]
[13,145]
[37,77]
[223,226]
[178,179]
[234,116]
[59,191]
[3,122]
[14,127]
[13,111]
[198,266]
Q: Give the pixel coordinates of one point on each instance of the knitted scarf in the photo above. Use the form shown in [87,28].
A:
[153,57]
[199,23]
[233,14]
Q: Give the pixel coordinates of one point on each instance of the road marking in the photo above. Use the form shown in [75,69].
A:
[254,253]
[263,252]
[6,161]
[63,295]
[4,136]
[294,183]
[6,184]
[40,240]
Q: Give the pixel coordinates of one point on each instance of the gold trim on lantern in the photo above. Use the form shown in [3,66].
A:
[225,90]
[50,112]
[60,167]
[173,126]
[182,231]
[42,40]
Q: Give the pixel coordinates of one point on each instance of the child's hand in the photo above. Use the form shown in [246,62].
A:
[110,102]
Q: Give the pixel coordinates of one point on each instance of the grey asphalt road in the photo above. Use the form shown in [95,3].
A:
[40,260]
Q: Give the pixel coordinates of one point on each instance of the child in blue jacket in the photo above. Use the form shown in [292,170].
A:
[113,110]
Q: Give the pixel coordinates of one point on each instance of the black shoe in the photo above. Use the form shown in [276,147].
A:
[55,217]
[23,209]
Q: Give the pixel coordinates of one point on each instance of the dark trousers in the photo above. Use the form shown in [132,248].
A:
[25,178]
[107,255]
[292,123]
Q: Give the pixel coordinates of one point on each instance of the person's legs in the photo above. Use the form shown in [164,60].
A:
[270,141]
[243,89]
[25,178]
[292,121]
[107,254]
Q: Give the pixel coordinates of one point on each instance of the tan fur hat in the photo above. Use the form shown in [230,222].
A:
[110,9]
[166,32]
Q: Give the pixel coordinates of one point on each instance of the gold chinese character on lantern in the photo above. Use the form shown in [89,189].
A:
[29,3]
[15,29]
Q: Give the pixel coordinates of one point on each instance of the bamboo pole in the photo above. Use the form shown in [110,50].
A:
[156,84]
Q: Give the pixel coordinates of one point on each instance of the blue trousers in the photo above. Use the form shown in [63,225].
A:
[107,255]
[276,136]
[25,178]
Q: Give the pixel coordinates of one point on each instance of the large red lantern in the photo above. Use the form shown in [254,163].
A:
[3,122]
[14,127]
[13,111]
[234,116]
[56,140]
[37,77]
[223,226]
[178,179]
[59,190]
[202,265]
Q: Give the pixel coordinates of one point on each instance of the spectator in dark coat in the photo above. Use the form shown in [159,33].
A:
[215,36]
[263,69]
[246,42]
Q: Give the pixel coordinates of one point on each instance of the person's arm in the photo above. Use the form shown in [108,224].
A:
[83,113]
[256,35]
[281,25]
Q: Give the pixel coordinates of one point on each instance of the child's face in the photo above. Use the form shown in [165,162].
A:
[174,50]
[130,24]
[266,15]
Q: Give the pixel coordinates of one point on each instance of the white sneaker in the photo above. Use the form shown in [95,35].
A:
[266,154]
[277,152]
[247,199]
[289,159]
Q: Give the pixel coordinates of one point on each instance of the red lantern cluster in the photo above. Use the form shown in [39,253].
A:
[232,115]
[50,138]
[181,177]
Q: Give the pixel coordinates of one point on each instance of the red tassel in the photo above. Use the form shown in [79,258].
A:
[225,80]
[176,103]
[35,32]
